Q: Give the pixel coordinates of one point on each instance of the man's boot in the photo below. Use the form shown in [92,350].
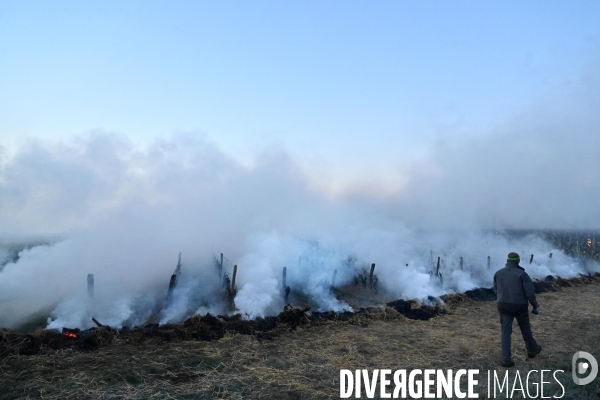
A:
[535,352]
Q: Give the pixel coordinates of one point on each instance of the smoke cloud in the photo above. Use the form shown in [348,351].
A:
[123,213]
[536,170]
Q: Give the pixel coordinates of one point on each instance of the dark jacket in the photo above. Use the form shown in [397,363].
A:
[513,285]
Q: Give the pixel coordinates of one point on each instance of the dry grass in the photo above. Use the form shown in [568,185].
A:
[305,363]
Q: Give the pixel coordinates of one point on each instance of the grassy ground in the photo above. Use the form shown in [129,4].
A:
[306,363]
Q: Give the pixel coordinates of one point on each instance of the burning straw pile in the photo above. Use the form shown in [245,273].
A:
[209,327]
[203,327]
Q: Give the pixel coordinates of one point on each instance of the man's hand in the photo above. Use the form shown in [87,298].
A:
[536,310]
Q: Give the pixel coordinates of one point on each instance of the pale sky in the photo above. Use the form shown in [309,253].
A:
[351,89]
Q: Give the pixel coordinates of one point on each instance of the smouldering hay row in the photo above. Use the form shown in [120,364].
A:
[209,327]
[202,328]
[305,363]
[278,269]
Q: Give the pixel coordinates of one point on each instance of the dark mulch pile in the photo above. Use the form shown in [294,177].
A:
[543,286]
[482,294]
[422,313]
[488,294]
[401,306]
[419,314]
[317,316]
[549,284]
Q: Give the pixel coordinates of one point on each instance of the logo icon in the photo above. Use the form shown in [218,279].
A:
[581,367]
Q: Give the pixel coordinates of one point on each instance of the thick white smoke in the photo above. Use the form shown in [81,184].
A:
[124,213]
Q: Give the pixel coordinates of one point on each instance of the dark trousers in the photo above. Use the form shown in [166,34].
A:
[508,312]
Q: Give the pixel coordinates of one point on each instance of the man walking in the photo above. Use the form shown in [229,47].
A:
[514,289]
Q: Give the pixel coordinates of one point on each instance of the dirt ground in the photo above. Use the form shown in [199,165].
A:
[306,363]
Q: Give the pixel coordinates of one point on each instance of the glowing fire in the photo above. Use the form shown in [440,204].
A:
[70,333]
[589,242]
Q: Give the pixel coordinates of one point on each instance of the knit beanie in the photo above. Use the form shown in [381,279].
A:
[513,257]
